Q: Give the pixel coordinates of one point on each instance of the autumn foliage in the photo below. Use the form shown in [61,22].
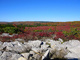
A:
[34,31]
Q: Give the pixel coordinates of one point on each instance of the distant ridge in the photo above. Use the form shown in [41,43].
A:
[32,22]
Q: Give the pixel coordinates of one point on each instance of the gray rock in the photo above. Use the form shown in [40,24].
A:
[8,45]
[2,58]
[37,57]
[14,46]
[6,55]
[27,46]
[15,57]
[0,53]
[1,47]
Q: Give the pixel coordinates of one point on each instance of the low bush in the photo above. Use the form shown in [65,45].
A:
[11,30]
[72,34]
[1,30]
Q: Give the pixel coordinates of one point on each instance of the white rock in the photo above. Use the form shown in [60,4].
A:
[44,47]
[60,40]
[73,47]
[14,46]
[1,43]
[15,57]
[72,43]
[53,43]
[72,55]
[69,49]
[45,55]
[54,36]
[36,50]
[26,55]
[5,34]
[22,58]
[7,55]
[32,52]
[27,46]
[8,45]
[18,39]
[35,44]
[37,57]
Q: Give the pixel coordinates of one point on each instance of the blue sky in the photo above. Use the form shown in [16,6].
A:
[39,10]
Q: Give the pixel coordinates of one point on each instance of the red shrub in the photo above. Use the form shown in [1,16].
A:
[59,35]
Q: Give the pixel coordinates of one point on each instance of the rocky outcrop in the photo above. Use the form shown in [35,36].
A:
[39,50]
[7,34]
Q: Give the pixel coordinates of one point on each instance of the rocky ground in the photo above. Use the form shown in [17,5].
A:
[39,49]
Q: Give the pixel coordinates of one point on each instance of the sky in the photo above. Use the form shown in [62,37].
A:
[39,10]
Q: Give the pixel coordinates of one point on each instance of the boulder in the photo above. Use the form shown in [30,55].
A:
[32,52]
[35,44]
[14,46]
[1,43]
[26,55]
[27,46]
[37,50]
[6,55]
[0,53]
[72,55]
[37,57]
[53,43]
[71,43]
[22,58]
[60,40]
[20,40]
[5,34]
[73,47]
[2,58]
[44,47]
[58,50]
[15,57]
[46,55]
[1,47]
